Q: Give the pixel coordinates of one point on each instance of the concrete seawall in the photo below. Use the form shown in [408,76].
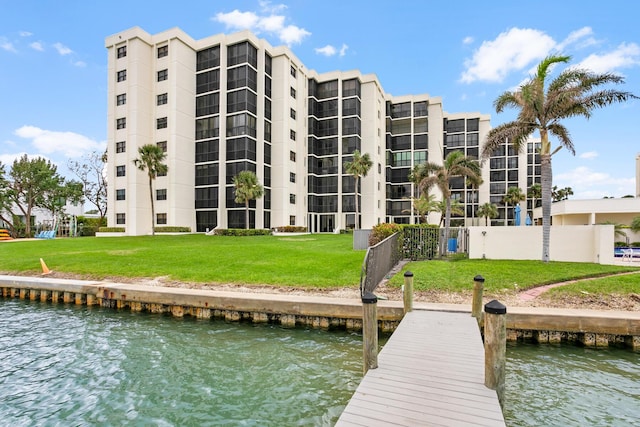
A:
[588,327]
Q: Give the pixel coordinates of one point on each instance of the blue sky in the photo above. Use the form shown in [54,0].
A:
[53,63]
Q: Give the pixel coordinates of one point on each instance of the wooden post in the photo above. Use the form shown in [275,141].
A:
[407,292]
[495,347]
[476,305]
[369,331]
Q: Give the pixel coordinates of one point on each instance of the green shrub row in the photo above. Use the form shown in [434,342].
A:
[242,232]
[290,229]
[172,229]
[111,229]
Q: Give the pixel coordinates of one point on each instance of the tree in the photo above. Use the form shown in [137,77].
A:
[93,179]
[534,193]
[247,188]
[151,161]
[455,207]
[513,197]
[574,92]
[456,164]
[358,167]
[30,184]
[635,224]
[487,211]
[422,206]
[561,194]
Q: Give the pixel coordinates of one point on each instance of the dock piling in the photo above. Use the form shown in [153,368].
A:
[495,347]
[476,305]
[407,292]
[369,331]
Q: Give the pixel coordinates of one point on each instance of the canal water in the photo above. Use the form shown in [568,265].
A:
[88,366]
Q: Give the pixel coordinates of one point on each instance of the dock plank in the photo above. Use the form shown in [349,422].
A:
[430,372]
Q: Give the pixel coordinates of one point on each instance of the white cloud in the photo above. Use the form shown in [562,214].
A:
[8,159]
[590,184]
[328,50]
[80,64]
[512,50]
[271,23]
[7,45]
[589,155]
[581,38]
[266,6]
[37,46]
[25,34]
[70,144]
[343,49]
[62,49]
[624,56]
[467,40]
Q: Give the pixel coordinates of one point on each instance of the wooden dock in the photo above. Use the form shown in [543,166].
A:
[430,373]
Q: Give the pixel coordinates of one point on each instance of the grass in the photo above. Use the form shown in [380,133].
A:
[510,275]
[308,261]
[620,285]
[311,261]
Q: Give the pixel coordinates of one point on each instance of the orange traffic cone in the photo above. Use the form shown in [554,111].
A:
[45,269]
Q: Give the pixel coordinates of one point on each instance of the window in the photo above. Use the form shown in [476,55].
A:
[292,156]
[121,147]
[120,218]
[241,124]
[208,127]
[161,218]
[161,123]
[163,75]
[162,99]
[293,93]
[208,81]
[292,220]
[292,134]
[162,145]
[120,194]
[208,58]
[292,199]
[267,131]
[120,170]
[122,51]
[292,177]
[121,99]
[267,64]
[293,72]
[242,52]
[163,51]
[207,104]
[121,75]
[162,173]
[241,77]
[292,113]
[121,123]
[161,194]
[420,109]
[242,100]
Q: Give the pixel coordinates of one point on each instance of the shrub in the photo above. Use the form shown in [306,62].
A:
[242,232]
[420,245]
[382,231]
[172,229]
[111,229]
[290,229]
[634,244]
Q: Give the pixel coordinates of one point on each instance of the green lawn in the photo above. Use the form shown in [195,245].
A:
[310,260]
[313,261]
[509,275]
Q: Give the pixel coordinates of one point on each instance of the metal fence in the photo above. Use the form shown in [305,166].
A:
[378,262]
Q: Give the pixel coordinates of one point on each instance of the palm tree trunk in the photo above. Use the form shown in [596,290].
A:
[447,224]
[246,215]
[153,210]
[357,222]
[546,178]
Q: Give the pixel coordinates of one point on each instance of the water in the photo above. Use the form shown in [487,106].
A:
[567,385]
[73,365]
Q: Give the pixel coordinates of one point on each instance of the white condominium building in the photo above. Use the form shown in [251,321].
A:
[229,103]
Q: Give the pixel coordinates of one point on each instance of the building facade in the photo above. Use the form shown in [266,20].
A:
[229,103]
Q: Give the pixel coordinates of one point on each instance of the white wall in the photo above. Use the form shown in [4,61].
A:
[588,243]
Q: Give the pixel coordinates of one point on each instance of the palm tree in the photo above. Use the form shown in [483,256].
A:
[574,92]
[513,197]
[151,161]
[635,224]
[456,164]
[559,194]
[423,206]
[534,193]
[487,211]
[358,167]
[247,188]
[455,207]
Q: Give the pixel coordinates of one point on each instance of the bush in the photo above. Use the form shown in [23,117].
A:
[111,229]
[634,244]
[420,245]
[172,229]
[242,232]
[89,226]
[382,231]
[290,229]
[620,244]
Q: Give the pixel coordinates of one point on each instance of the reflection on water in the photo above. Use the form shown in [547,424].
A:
[69,365]
[567,385]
